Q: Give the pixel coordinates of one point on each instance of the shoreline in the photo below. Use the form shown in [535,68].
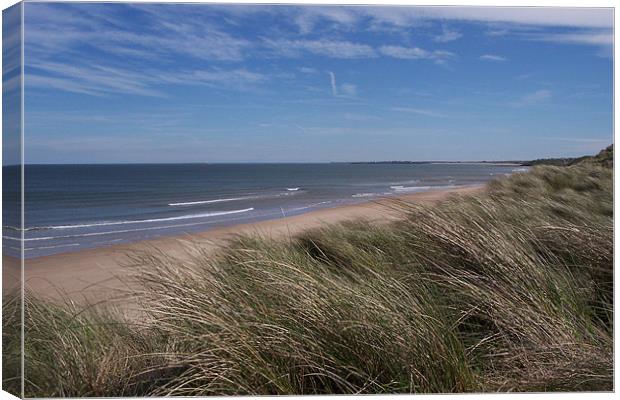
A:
[95,274]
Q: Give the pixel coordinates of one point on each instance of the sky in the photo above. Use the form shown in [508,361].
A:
[11,89]
[148,83]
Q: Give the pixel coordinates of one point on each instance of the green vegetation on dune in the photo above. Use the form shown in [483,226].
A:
[510,290]
[605,158]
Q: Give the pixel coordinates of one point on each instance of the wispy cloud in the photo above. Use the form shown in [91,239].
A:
[586,26]
[343,90]
[493,57]
[88,49]
[340,17]
[332,80]
[394,19]
[497,32]
[239,78]
[601,38]
[501,20]
[448,35]
[328,48]
[584,37]
[55,29]
[351,50]
[308,70]
[419,111]
[416,53]
[99,80]
[87,79]
[537,16]
[307,18]
[122,61]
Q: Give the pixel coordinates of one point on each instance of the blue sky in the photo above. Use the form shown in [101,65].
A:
[203,83]
[11,80]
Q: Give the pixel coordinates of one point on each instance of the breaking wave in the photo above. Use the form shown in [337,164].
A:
[142,221]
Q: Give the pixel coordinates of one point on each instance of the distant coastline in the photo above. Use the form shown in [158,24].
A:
[499,163]
[563,161]
[559,161]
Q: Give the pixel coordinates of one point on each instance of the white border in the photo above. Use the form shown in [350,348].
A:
[513,3]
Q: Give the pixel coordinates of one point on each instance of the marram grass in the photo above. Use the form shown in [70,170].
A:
[510,290]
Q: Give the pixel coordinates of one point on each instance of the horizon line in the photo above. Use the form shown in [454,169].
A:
[293,162]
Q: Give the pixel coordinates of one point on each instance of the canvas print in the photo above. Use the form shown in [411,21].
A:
[232,199]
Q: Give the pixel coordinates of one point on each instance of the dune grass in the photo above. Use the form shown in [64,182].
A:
[510,290]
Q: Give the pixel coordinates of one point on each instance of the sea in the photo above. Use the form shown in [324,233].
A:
[74,207]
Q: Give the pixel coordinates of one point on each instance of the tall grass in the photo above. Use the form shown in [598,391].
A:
[510,290]
[11,344]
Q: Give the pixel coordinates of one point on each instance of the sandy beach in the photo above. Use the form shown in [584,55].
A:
[96,274]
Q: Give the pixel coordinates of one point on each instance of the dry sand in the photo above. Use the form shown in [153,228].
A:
[96,274]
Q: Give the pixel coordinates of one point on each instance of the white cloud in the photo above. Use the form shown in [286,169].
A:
[332,80]
[415,53]
[328,48]
[343,90]
[418,111]
[88,79]
[539,16]
[497,32]
[308,17]
[64,84]
[492,57]
[601,38]
[100,80]
[587,37]
[406,17]
[448,35]
[52,30]
[239,78]
[501,20]
[350,50]
[308,70]
[56,36]
[598,22]
[404,52]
